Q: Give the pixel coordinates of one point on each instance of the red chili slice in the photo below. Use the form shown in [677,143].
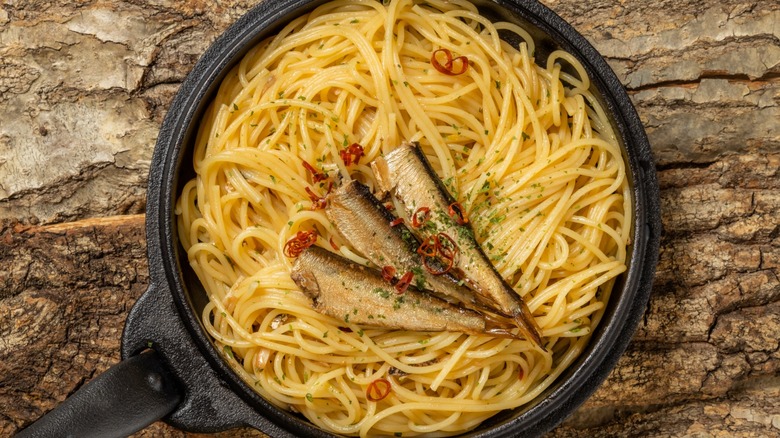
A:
[397,222]
[388,273]
[315,175]
[450,66]
[378,390]
[428,247]
[436,270]
[446,246]
[439,247]
[456,212]
[296,245]
[404,283]
[420,216]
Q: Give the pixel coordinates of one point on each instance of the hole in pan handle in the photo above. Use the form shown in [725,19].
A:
[126,398]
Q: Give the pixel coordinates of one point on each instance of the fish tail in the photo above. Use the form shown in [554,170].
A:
[499,330]
[500,326]
[527,325]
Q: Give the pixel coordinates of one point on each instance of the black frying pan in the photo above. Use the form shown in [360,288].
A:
[171,369]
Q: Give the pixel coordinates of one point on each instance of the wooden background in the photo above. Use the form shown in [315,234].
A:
[84,86]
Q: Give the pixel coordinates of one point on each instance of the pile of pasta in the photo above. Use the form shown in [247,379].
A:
[526,149]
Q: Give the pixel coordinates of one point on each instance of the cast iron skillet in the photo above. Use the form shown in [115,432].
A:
[172,370]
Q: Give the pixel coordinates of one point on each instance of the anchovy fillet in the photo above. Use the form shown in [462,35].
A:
[357,294]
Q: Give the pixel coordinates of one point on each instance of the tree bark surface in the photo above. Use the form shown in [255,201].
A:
[84,86]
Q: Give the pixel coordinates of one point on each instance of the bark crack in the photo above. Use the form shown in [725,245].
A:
[734,77]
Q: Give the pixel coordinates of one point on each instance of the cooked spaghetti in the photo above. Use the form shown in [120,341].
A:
[526,150]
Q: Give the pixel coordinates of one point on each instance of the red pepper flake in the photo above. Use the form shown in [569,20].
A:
[428,247]
[389,206]
[388,273]
[456,212]
[345,157]
[378,390]
[345,329]
[296,245]
[319,202]
[404,283]
[420,216]
[352,154]
[333,244]
[520,373]
[397,222]
[315,175]
[452,66]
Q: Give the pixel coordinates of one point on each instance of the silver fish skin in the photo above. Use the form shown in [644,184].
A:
[407,175]
[364,222]
[359,295]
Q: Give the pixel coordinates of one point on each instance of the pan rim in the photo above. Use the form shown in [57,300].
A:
[602,353]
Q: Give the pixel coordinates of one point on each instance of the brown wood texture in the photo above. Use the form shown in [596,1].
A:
[83,89]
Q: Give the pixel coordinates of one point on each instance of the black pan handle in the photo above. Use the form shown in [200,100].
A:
[211,401]
[126,398]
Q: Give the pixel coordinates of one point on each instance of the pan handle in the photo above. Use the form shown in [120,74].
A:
[126,398]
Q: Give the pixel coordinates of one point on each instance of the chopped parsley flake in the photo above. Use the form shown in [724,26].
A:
[384,293]
[419,277]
